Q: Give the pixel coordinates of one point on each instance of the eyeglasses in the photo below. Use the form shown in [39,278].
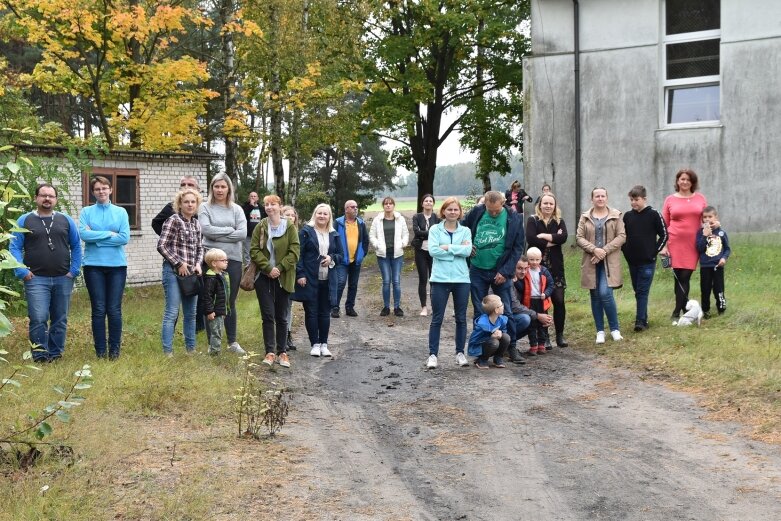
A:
[220,260]
[47,196]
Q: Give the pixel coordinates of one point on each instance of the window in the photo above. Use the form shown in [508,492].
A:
[692,43]
[124,186]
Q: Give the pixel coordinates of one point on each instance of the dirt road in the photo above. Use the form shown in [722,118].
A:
[377,436]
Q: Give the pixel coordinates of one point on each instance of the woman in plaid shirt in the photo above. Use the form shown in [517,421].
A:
[181,244]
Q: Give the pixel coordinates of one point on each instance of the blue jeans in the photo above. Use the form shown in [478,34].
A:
[481,281]
[48,301]
[317,315]
[602,301]
[174,299]
[390,269]
[105,285]
[521,321]
[440,292]
[642,277]
[347,276]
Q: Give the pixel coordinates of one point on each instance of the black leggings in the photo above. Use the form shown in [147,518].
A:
[423,262]
[682,278]
[559,310]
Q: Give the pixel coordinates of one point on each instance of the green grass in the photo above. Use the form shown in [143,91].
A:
[732,361]
[401,206]
[143,400]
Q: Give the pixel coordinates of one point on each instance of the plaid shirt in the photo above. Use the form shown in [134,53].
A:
[181,242]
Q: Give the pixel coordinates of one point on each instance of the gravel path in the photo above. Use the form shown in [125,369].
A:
[562,438]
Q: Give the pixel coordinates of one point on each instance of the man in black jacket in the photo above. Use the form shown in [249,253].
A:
[646,235]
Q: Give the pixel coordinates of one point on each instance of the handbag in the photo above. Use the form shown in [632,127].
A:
[189,285]
[247,282]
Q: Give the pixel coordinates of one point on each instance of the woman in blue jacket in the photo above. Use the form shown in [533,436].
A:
[105,230]
[449,244]
[316,277]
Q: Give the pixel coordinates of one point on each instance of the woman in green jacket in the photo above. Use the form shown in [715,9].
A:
[275,249]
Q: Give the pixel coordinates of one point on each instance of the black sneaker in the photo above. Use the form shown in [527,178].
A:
[334,312]
[639,326]
[706,315]
[385,312]
[351,313]
[398,312]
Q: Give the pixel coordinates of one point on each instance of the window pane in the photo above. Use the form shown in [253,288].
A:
[693,59]
[691,104]
[688,16]
[131,214]
[125,190]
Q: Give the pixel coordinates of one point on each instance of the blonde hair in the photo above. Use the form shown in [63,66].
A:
[295,213]
[229,197]
[211,255]
[491,303]
[556,211]
[534,250]
[330,216]
[177,202]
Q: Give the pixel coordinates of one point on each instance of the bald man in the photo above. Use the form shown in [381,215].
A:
[355,243]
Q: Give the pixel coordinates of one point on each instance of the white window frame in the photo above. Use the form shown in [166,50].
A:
[698,81]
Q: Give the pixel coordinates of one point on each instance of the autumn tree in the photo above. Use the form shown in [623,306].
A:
[120,57]
[428,58]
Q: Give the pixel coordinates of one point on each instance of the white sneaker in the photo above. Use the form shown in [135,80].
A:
[675,322]
[236,348]
[324,350]
[461,360]
[432,362]
[424,312]
[616,334]
[315,350]
[600,337]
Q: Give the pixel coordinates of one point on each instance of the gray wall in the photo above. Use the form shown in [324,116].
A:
[623,139]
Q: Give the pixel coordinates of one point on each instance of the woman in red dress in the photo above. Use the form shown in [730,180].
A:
[682,213]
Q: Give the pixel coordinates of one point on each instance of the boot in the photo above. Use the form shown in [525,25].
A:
[548,346]
[560,341]
[515,356]
[290,345]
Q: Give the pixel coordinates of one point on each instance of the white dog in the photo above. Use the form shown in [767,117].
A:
[693,314]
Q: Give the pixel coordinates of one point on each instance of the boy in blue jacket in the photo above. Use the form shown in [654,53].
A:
[713,245]
[489,336]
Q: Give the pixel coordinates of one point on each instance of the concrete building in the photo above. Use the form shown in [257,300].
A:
[643,88]
[142,182]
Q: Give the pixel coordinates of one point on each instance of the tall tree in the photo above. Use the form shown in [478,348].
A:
[120,58]
[428,58]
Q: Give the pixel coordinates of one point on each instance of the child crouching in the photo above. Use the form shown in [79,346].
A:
[215,294]
[489,336]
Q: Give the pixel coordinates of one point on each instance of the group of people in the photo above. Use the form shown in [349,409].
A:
[480,255]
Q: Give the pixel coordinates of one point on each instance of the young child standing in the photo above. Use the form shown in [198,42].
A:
[713,245]
[537,289]
[215,295]
[489,336]
[646,235]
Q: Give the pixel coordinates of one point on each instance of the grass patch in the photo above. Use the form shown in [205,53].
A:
[143,404]
[402,205]
[732,361]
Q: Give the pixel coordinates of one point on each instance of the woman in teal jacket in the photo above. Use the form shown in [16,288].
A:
[450,245]
[105,230]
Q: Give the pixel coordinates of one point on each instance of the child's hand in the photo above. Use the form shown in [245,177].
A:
[497,334]
[722,262]
[210,316]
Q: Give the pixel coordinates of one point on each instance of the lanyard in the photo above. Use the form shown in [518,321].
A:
[48,230]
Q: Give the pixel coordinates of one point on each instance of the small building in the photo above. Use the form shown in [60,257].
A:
[621,93]
[142,182]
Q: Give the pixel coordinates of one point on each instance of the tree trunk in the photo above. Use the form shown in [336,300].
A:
[276,108]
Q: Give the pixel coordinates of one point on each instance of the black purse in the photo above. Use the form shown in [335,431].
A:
[189,285]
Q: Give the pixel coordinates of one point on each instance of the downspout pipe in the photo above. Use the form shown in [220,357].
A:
[576,54]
